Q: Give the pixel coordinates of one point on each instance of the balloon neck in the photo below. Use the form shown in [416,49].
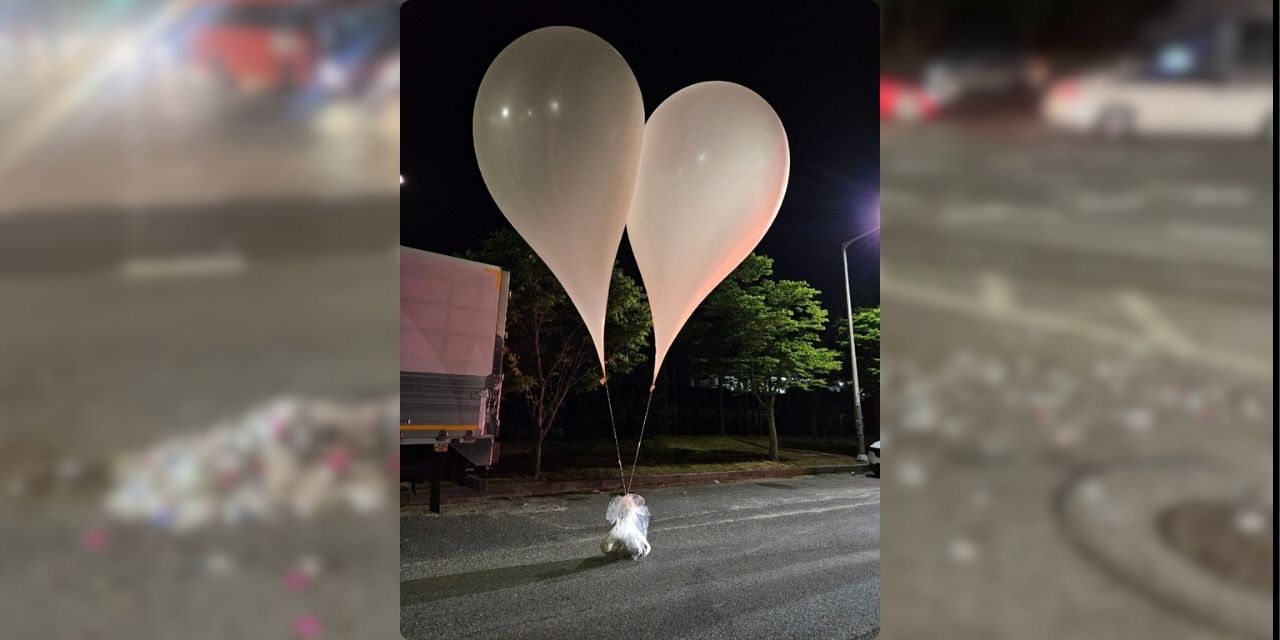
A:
[604,379]
[652,387]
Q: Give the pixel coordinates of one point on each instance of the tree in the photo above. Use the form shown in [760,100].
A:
[866,332]
[548,351]
[763,336]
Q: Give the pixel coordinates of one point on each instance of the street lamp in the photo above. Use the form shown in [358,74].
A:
[853,356]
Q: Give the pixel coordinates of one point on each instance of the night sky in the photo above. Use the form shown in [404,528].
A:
[816,63]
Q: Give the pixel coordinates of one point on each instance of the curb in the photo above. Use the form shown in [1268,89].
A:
[526,489]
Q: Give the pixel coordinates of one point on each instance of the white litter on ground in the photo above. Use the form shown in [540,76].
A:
[291,458]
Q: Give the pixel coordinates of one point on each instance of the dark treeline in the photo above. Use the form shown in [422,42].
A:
[684,409]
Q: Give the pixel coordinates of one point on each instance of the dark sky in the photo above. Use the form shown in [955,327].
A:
[816,63]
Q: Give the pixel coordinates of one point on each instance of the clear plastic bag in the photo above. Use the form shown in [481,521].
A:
[630,533]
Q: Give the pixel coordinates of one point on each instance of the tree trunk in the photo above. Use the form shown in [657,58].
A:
[537,452]
[720,397]
[675,408]
[773,429]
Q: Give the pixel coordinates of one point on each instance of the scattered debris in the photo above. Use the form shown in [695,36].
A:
[290,458]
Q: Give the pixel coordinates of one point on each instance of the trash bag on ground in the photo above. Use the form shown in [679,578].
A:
[629,536]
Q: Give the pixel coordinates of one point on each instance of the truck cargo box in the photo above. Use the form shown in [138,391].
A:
[452,327]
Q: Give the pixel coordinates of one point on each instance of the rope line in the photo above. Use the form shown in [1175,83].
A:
[622,478]
[627,486]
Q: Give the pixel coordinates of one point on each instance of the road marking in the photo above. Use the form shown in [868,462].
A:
[599,530]
[978,212]
[1220,235]
[768,516]
[912,166]
[1205,195]
[182,266]
[968,304]
[896,197]
[996,291]
[1142,311]
[1096,203]
[843,496]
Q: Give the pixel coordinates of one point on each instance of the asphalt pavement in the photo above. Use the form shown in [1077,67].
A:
[1078,343]
[785,558]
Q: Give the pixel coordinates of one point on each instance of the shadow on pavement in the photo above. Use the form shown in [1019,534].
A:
[459,584]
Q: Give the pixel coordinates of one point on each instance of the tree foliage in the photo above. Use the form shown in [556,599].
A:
[549,353]
[866,333]
[761,337]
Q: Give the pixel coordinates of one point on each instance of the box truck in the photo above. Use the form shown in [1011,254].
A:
[452,325]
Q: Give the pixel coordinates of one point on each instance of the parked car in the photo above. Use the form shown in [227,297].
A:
[256,46]
[873,456]
[295,46]
[1213,80]
[904,101]
[976,72]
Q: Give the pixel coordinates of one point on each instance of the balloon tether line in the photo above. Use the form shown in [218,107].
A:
[622,478]
[627,488]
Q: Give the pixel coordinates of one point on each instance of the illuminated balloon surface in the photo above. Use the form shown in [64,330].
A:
[557,126]
[712,175]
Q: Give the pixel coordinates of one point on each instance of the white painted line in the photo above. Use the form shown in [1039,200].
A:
[768,516]
[1222,235]
[1095,203]
[978,212]
[896,197]
[1157,324]
[997,292]
[969,304]
[220,264]
[577,542]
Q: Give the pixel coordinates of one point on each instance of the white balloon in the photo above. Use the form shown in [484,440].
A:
[557,126]
[713,172]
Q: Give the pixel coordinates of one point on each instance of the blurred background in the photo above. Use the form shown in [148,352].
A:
[198,294]
[197,277]
[1077,319]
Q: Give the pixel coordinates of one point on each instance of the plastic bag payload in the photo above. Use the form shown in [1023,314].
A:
[629,535]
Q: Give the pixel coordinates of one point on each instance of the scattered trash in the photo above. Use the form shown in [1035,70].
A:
[310,564]
[1066,437]
[1092,491]
[288,458]
[217,563]
[963,551]
[307,625]
[911,473]
[297,580]
[1250,522]
[94,539]
[303,574]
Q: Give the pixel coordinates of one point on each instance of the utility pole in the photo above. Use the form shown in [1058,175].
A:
[853,356]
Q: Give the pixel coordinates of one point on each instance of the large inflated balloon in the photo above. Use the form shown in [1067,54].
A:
[712,175]
[557,126]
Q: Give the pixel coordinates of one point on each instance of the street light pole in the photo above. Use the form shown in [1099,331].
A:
[853,356]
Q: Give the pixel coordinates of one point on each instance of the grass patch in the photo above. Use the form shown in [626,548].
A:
[659,455]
